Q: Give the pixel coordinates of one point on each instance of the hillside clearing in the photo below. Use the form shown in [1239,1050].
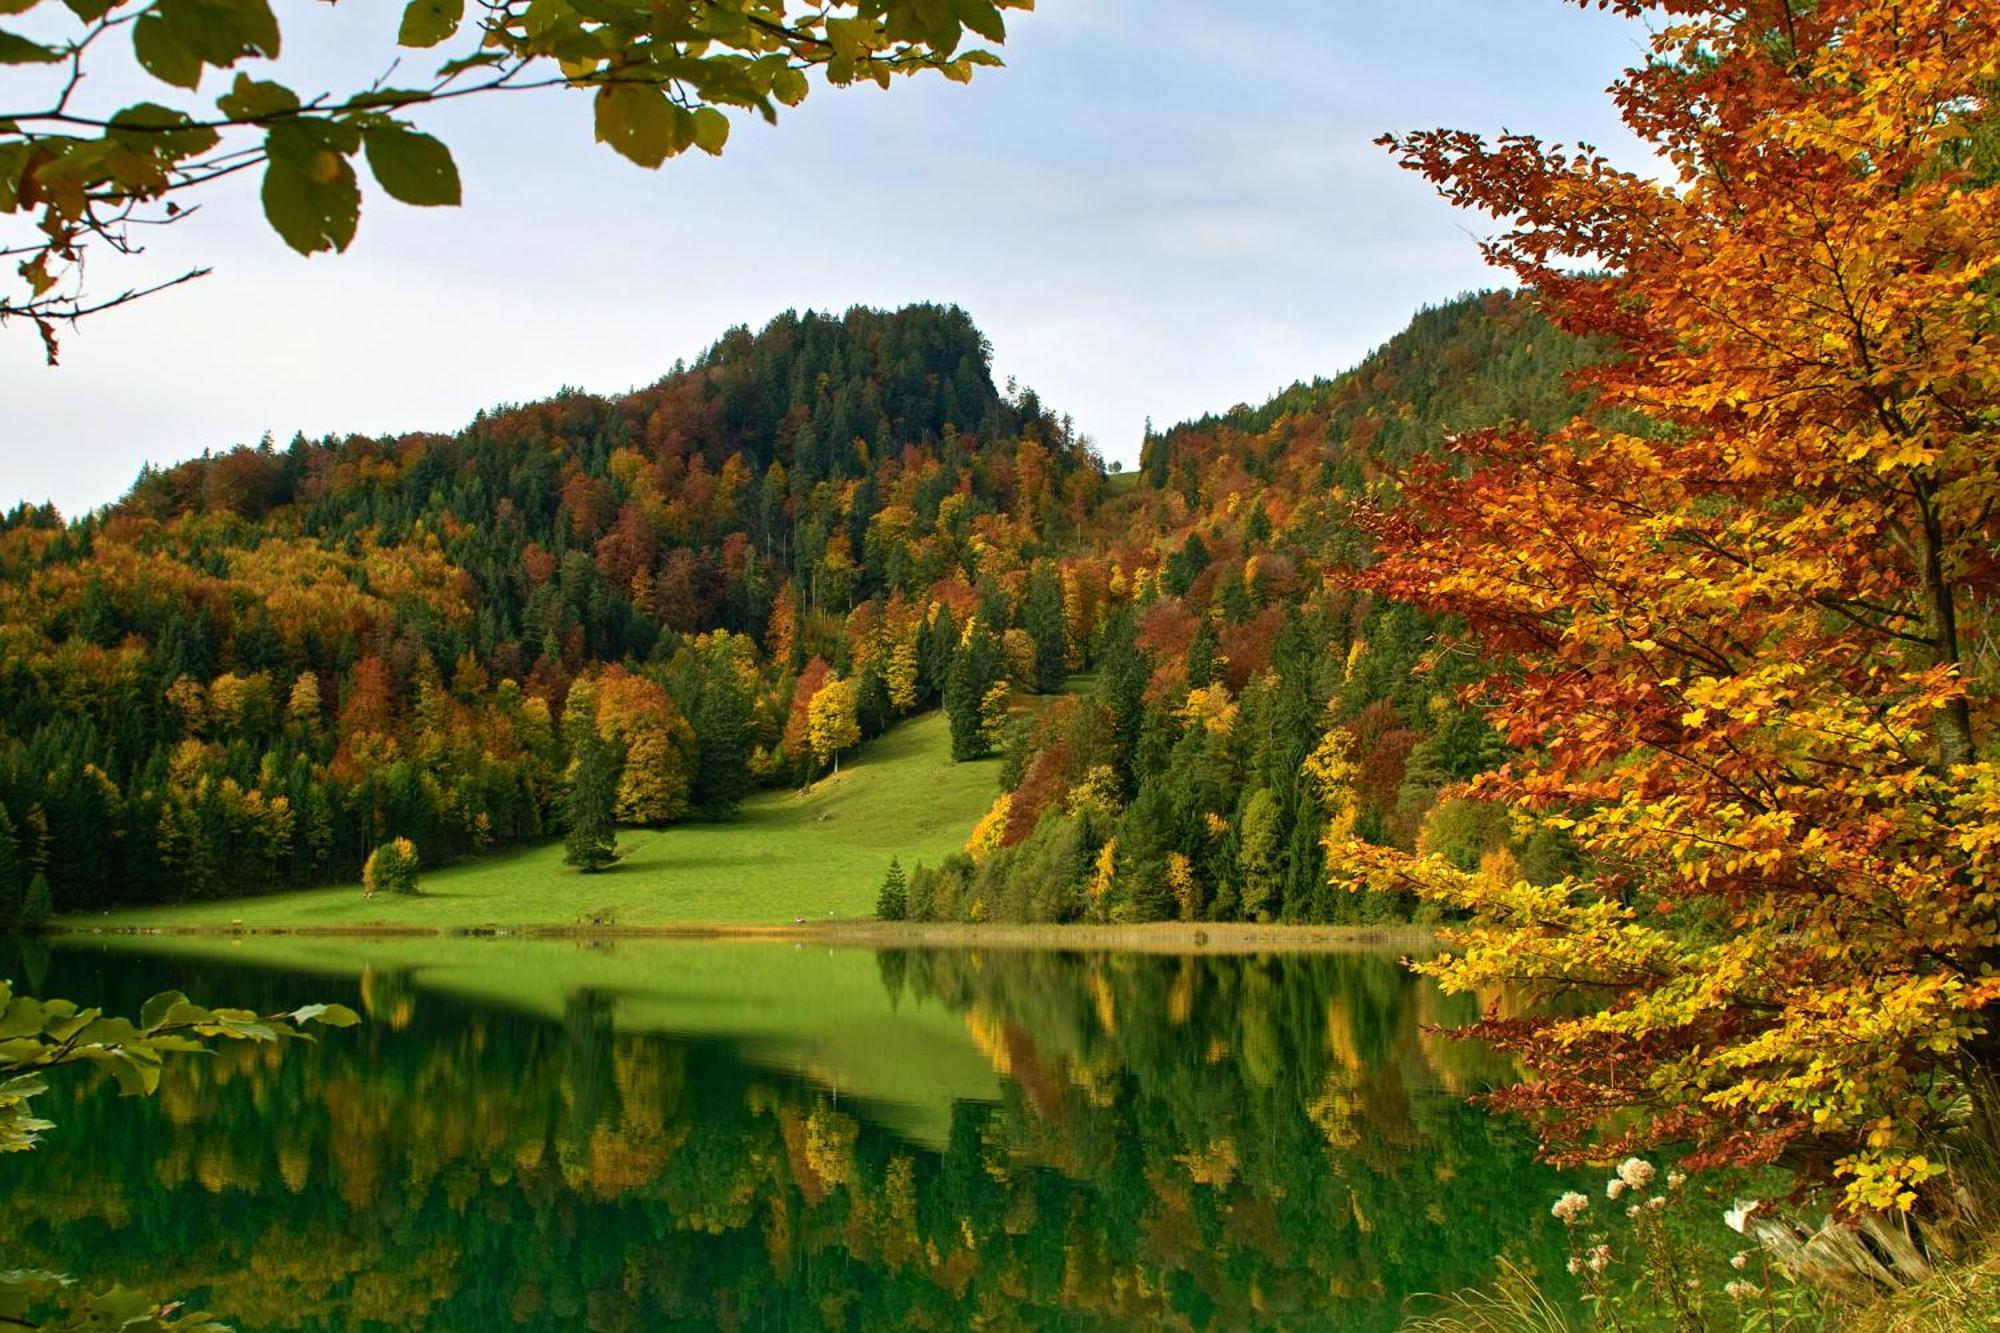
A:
[785,857]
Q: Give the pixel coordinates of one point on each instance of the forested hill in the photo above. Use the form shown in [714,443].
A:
[1482,360]
[693,500]
[262,664]
[1250,692]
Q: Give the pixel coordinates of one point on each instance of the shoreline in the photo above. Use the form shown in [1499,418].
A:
[1156,937]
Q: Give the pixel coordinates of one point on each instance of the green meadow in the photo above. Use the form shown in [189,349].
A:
[784,857]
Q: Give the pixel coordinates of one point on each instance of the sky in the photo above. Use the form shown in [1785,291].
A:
[1159,208]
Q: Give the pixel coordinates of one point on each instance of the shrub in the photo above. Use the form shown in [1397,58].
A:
[391,868]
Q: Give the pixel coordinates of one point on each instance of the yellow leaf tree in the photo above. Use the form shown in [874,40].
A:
[833,721]
[1747,600]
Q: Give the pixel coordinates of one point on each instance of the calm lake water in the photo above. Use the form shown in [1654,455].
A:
[654,1135]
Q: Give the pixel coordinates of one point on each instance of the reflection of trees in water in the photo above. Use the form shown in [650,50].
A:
[1190,1142]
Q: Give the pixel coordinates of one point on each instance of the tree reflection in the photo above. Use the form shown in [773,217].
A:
[1188,1142]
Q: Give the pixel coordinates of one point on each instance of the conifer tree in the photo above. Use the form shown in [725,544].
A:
[1204,658]
[893,902]
[39,907]
[975,670]
[592,842]
[591,789]
[1042,616]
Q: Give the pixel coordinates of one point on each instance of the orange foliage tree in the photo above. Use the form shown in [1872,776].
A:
[1748,598]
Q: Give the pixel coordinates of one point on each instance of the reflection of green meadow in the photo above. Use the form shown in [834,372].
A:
[662,1134]
[815,1011]
[785,856]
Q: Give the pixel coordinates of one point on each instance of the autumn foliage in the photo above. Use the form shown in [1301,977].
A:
[1748,595]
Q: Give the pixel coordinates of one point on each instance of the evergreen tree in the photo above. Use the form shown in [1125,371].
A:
[893,902]
[1185,565]
[1042,618]
[975,670]
[38,908]
[591,843]
[1204,657]
[1121,686]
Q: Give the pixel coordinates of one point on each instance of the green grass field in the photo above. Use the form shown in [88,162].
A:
[785,856]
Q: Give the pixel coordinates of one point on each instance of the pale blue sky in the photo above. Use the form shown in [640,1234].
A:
[1161,207]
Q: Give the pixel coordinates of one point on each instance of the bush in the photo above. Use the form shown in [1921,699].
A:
[391,868]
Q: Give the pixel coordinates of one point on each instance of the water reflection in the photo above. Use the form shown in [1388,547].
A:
[751,1136]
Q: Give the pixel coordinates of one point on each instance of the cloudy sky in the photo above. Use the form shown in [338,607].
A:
[1159,208]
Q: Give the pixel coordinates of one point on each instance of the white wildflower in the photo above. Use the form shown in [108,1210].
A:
[1676,1179]
[1599,1258]
[1570,1207]
[1575,1266]
[1632,1211]
[1742,1291]
[1739,1214]
[1613,1188]
[1740,1260]
[1657,1202]
[1636,1172]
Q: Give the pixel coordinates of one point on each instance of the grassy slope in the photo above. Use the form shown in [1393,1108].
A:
[784,857]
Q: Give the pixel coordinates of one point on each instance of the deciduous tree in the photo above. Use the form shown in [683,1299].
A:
[1750,596]
[834,723]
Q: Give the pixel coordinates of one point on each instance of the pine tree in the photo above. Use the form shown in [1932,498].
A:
[893,902]
[592,842]
[1042,616]
[1204,658]
[37,910]
[977,668]
[1121,684]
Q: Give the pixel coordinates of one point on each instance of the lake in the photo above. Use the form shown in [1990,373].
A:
[755,1135]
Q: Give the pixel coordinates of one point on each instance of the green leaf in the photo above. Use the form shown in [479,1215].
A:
[162,52]
[135,1078]
[175,38]
[849,37]
[18,50]
[428,22]
[23,1018]
[412,167]
[182,1011]
[255,99]
[711,130]
[90,10]
[982,17]
[63,1027]
[148,127]
[154,1011]
[637,121]
[108,1032]
[788,85]
[332,1015]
